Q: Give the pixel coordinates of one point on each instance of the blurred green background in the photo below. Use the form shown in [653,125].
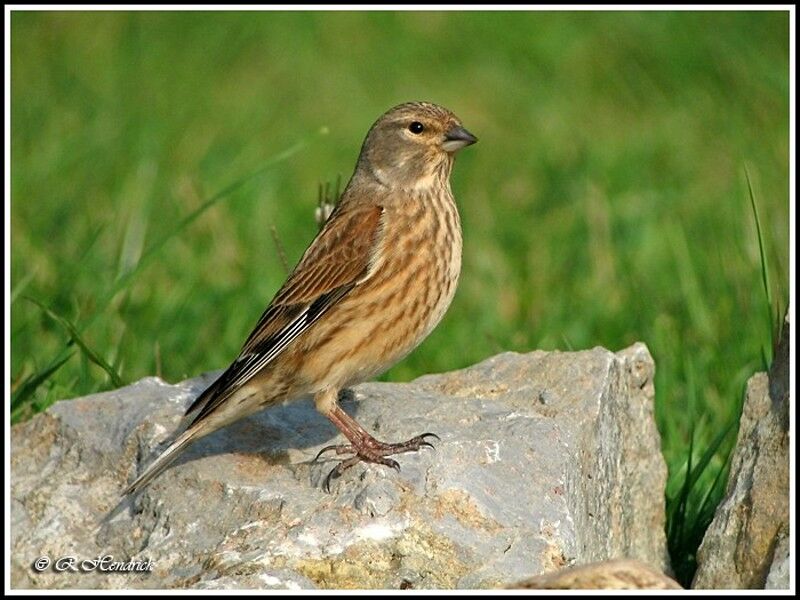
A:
[605,203]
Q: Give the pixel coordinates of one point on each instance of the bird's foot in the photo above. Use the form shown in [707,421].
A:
[374,451]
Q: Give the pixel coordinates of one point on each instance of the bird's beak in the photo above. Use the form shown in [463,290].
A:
[456,138]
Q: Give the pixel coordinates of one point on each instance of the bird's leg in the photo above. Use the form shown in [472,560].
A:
[363,446]
[366,448]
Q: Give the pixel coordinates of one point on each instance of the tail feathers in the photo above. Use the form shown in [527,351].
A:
[197,405]
[163,461]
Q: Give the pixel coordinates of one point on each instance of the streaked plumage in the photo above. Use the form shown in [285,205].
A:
[374,282]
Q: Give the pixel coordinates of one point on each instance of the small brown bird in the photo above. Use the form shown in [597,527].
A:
[374,282]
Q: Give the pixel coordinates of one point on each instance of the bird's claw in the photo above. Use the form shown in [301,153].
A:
[337,448]
[377,454]
[337,471]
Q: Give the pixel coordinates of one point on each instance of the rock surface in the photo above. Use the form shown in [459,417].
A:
[746,545]
[778,577]
[619,574]
[545,460]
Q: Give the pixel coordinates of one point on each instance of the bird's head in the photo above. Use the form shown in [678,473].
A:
[412,145]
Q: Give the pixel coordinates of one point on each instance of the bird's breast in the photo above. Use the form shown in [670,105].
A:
[423,261]
[413,282]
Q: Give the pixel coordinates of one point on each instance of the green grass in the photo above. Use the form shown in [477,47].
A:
[608,200]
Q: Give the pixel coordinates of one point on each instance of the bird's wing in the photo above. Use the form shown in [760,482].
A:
[337,260]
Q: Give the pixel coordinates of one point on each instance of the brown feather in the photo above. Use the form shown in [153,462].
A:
[337,259]
[340,255]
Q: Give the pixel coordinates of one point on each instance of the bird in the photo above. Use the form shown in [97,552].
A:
[373,283]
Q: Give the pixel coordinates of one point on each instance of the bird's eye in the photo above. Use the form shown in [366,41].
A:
[416,127]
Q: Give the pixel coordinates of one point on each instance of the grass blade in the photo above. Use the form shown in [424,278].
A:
[705,507]
[764,266]
[75,336]
[20,396]
[20,287]
[280,249]
[710,452]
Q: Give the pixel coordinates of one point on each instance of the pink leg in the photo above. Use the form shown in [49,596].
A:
[364,447]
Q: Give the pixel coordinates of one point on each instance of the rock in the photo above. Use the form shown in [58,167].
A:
[741,547]
[545,460]
[619,574]
[778,577]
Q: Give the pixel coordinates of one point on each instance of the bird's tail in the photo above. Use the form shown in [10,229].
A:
[163,461]
[192,430]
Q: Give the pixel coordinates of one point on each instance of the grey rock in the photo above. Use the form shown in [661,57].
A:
[546,459]
[778,577]
[742,546]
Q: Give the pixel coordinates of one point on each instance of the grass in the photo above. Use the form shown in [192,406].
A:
[622,158]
